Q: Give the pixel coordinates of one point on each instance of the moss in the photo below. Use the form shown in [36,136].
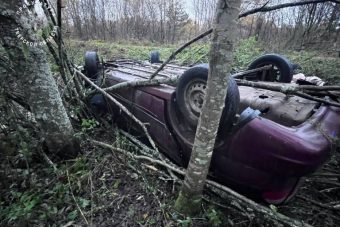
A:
[188,205]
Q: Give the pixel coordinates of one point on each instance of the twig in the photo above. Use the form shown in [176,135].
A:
[281,6]
[251,205]
[74,198]
[143,148]
[140,157]
[47,10]
[173,55]
[335,207]
[48,160]
[147,151]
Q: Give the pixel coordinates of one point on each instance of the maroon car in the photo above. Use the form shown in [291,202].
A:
[267,141]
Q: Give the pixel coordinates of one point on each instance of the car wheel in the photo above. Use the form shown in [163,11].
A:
[98,104]
[155,57]
[190,94]
[281,71]
[92,64]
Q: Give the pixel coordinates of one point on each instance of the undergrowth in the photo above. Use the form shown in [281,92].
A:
[313,63]
[100,188]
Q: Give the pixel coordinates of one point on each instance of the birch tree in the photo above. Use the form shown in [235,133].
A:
[221,57]
[33,76]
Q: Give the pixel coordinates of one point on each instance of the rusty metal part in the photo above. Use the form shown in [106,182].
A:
[275,106]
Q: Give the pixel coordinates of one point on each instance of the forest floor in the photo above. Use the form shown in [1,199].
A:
[104,188]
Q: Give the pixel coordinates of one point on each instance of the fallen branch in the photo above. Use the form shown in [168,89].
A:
[250,205]
[319,88]
[122,107]
[309,97]
[329,207]
[149,152]
[144,149]
[172,80]
[288,89]
[136,83]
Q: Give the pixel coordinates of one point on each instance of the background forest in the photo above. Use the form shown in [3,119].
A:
[309,27]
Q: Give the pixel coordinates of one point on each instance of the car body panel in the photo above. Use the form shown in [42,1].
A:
[278,107]
[268,155]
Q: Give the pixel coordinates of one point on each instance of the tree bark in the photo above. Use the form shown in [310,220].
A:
[34,77]
[221,57]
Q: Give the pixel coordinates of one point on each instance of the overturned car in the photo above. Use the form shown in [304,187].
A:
[267,141]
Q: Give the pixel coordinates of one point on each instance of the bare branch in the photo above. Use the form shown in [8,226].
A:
[319,88]
[122,107]
[137,83]
[179,50]
[284,5]
[172,80]
[288,89]
[303,91]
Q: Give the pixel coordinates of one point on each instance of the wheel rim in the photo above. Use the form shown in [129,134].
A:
[194,96]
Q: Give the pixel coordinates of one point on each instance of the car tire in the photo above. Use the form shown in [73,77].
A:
[92,65]
[194,80]
[155,57]
[282,68]
[98,101]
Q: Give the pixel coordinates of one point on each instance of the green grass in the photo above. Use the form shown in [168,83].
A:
[197,53]
[313,63]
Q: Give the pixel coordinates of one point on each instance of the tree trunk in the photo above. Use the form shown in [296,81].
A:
[221,57]
[34,77]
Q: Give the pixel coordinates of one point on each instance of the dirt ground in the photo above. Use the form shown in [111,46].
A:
[103,188]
